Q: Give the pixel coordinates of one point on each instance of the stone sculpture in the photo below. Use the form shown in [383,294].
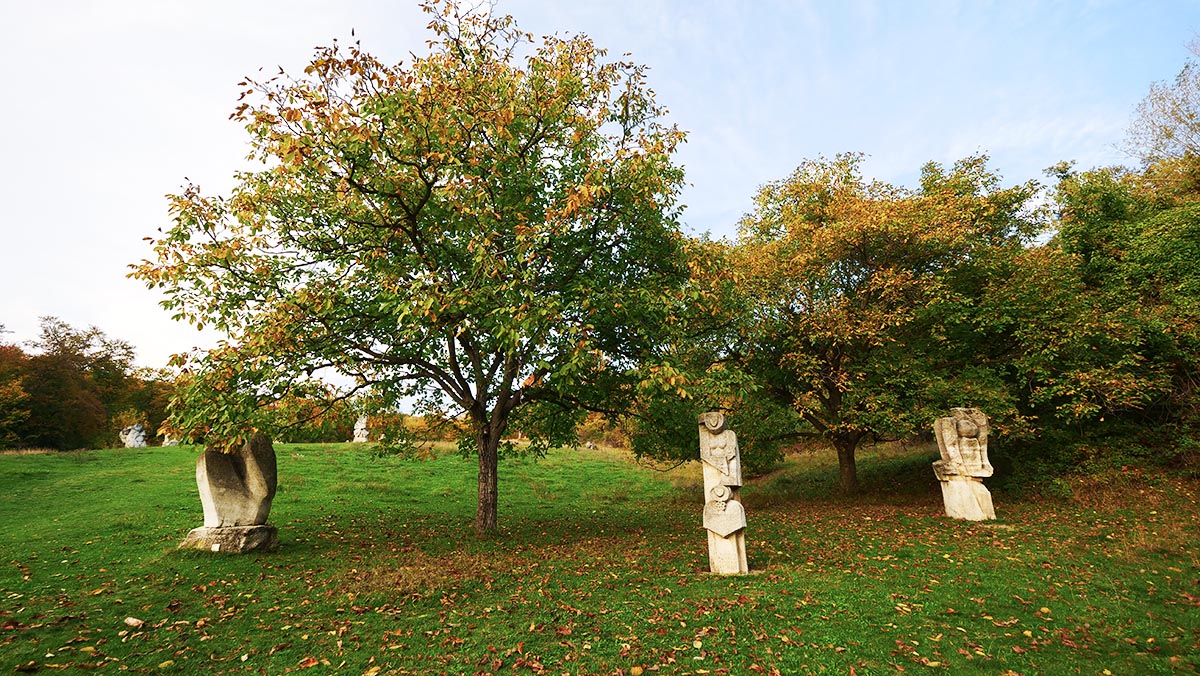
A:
[361,435]
[133,436]
[236,490]
[962,441]
[724,516]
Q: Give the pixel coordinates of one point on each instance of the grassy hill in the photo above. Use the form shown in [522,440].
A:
[599,569]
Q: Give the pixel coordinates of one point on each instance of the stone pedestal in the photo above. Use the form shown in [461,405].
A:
[967,498]
[232,539]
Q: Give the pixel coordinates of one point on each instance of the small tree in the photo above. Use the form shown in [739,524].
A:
[1167,122]
[491,232]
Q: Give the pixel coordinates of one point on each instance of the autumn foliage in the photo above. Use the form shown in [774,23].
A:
[489,228]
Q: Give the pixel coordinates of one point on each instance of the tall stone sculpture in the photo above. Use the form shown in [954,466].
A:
[724,516]
[962,441]
[236,490]
[361,434]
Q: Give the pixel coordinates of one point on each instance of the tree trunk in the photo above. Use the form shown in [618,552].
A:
[485,512]
[847,469]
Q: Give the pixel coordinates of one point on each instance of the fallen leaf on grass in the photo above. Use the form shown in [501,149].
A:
[134,622]
[309,662]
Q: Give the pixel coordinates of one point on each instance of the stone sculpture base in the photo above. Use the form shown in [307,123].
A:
[968,499]
[232,539]
[727,555]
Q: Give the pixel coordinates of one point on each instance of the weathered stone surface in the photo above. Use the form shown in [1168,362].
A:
[361,434]
[727,555]
[962,443]
[724,516]
[719,451]
[133,436]
[232,539]
[236,489]
[967,498]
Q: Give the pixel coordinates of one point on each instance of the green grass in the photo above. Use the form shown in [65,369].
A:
[599,569]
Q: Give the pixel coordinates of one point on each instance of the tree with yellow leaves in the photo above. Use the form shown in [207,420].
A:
[490,228]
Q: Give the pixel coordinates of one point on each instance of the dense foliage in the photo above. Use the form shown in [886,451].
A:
[75,388]
[862,295]
[490,229]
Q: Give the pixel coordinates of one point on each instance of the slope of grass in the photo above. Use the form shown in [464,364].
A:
[599,569]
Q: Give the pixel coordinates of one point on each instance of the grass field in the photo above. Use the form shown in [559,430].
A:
[599,569]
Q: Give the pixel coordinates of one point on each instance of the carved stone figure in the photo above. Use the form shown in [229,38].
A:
[361,434]
[133,436]
[724,516]
[236,490]
[962,442]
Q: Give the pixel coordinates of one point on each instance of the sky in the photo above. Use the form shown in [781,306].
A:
[109,105]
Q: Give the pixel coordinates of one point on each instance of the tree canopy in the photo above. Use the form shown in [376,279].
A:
[859,292]
[74,388]
[491,228]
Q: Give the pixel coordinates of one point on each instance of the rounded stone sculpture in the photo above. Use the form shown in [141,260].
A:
[133,436]
[236,490]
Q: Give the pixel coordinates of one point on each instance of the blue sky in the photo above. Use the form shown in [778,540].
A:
[109,105]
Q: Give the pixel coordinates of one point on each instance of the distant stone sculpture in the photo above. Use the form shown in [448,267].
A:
[170,441]
[236,490]
[133,436]
[361,434]
[962,441]
[724,516]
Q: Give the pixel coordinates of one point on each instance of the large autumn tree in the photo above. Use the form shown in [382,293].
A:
[491,227]
[860,294]
[73,388]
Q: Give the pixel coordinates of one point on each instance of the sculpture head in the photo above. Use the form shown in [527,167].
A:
[962,440]
[967,428]
[713,421]
[720,493]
